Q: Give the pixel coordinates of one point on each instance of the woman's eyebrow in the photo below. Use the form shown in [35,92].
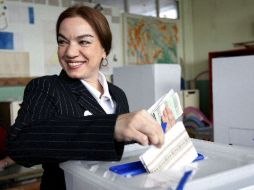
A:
[78,37]
[85,36]
[61,35]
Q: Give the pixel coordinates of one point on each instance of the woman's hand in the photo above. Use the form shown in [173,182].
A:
[139,126]
[5,162]
[168,117]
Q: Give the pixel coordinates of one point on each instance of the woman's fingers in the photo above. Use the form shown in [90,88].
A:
[139,126]
[168,117]
[142,127]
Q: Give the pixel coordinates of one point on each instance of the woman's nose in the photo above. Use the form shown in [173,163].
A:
[72,51]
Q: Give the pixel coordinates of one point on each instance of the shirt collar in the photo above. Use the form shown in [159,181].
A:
[96,94]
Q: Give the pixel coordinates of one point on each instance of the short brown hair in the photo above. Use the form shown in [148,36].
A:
[96,20]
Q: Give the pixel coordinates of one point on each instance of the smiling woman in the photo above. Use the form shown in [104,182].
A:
[77,115]
[83,43]
[79,50]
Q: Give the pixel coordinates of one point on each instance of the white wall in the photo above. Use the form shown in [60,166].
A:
[213,25]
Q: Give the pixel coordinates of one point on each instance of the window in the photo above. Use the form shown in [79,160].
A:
[142,7]
[166,8]
[169,9]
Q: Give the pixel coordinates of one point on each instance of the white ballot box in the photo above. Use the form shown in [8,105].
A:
[145,84]
[225,167]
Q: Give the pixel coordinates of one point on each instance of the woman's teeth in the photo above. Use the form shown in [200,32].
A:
[74,64]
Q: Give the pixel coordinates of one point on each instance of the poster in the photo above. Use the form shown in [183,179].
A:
[150,40]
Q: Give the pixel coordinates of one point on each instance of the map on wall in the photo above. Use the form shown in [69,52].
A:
[150,40]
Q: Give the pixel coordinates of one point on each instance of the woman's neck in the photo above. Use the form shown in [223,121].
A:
[96,84]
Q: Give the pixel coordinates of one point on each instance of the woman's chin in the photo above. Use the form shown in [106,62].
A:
[74,75]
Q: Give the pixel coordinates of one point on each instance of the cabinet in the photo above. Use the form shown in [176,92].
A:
[189,98]
[232,82]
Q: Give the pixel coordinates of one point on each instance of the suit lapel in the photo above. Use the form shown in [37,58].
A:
[83,97]
[86,100]
[115,95]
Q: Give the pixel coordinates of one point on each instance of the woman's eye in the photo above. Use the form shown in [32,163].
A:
[84,42]
[61,42]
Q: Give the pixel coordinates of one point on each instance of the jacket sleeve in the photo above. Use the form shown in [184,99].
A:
[42,135]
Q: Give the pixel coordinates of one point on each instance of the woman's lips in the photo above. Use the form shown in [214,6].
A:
[75,64]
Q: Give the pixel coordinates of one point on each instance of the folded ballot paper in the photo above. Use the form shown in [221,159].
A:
[170,99]
[177,150]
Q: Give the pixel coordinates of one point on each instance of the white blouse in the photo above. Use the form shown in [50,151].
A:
[105,100]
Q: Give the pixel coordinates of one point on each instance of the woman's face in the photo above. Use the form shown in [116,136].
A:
[79,49]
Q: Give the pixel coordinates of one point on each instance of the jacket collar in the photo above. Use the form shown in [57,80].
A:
[84,98]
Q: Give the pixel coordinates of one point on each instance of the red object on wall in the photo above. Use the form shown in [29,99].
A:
[2,141]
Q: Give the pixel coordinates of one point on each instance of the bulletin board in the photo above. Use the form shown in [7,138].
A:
[32,40]
[31,31]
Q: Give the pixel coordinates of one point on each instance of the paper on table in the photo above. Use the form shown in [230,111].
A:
[177,150]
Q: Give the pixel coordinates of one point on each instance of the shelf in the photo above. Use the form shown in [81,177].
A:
[15,81]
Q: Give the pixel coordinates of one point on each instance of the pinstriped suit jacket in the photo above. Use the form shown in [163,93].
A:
[51,127]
